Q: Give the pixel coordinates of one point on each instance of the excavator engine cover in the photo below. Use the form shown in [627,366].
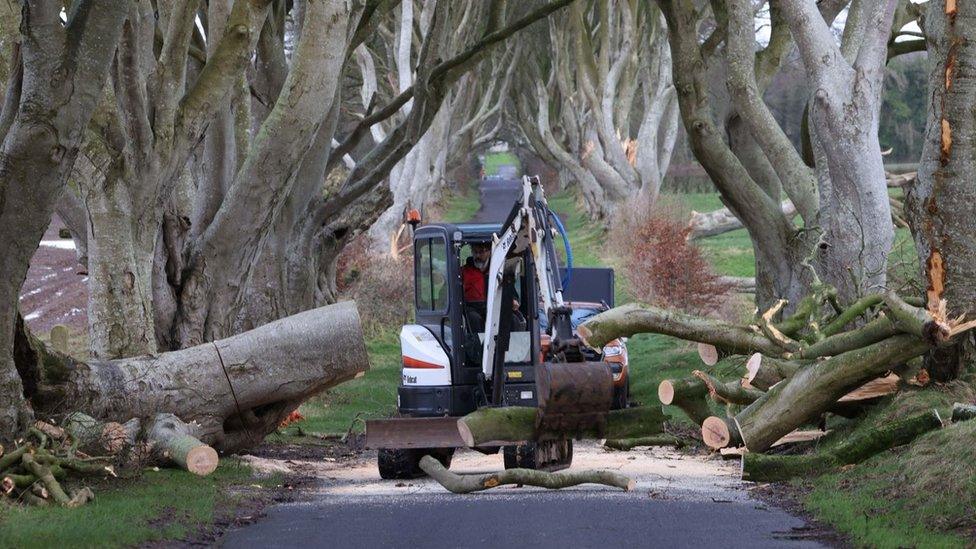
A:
[574,398]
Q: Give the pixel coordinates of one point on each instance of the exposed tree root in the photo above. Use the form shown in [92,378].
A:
[465,484]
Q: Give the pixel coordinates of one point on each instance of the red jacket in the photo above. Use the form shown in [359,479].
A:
[475,282]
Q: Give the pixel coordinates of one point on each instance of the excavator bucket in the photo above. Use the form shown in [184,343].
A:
[574,398]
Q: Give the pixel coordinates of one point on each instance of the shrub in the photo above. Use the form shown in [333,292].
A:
[381,285]
[662,267]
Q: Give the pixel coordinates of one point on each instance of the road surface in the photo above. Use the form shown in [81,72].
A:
[680,501]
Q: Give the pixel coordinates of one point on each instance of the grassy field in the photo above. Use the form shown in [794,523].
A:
[155,506]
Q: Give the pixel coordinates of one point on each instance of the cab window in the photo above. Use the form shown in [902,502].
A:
[431,254]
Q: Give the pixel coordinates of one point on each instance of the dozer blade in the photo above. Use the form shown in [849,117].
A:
[409,432]
[574,398]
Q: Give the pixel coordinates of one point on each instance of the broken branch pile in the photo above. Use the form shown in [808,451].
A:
[793,370]
[33,472]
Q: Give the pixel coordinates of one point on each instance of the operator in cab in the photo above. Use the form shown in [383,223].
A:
[474,279]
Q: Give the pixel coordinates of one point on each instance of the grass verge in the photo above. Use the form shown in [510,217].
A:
[156,506]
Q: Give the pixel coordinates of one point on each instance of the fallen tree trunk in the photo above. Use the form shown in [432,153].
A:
[688,395]
[809,393]
[237,390]
[465,484]
[517,424]
[716,222]
[763,468]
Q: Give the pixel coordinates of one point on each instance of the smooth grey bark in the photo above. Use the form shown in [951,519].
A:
[162,110]
[941,202]
[64,68]
[844,112]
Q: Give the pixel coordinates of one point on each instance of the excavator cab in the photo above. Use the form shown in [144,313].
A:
[459,356]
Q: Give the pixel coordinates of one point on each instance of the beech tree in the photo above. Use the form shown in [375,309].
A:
[52,91]
[598,103]
[842,200]
[941,202]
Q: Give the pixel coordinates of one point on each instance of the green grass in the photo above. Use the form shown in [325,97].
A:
[493,161]
[920,495]
[154,507]
[459,206]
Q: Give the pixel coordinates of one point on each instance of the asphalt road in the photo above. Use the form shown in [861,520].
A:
[497,197]
[536,520]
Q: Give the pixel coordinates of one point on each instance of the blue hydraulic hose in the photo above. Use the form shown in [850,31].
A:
[569,250]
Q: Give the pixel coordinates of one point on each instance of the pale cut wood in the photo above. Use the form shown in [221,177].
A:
[716,432]
[876,388]
[172,440]
[708,354]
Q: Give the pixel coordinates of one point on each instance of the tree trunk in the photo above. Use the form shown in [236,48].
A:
[236,389]
[53,104]
[762,468]
[941,203]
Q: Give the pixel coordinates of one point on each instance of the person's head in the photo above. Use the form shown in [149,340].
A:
[481,251]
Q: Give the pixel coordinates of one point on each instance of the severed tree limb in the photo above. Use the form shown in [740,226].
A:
[465,484]
[172,440]
[237,389]
[855,310]
[877,330]
[632,318]
[45,476]
[963,412]
[13,458]
[765,468]
[656,440]
[812,391]
[731,392]
[517,424]
[688,394]
[762,372]
[97,437]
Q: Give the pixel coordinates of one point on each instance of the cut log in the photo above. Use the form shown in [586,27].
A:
[237,389]
[763,372]
[877,330]
[708,353]
[812,390]
[632,318]
[465,484]
[172,440]
[720,433]
[101,438]
[658,440]
[13,457]
[687,394]
[517,423]
[763,468]
[963,412]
